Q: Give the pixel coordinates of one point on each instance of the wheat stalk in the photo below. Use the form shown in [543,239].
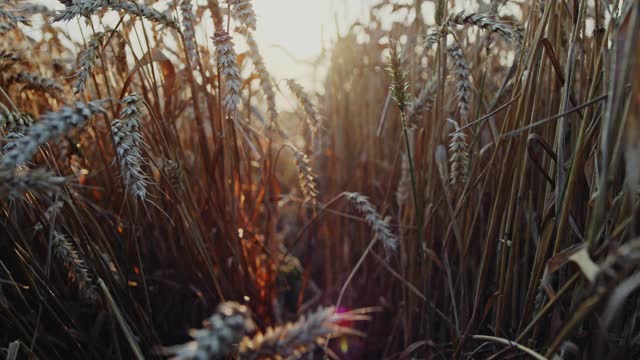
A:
[78,272]
[221,332]
[486,22]
[306,176]
[463,85]
[50,126]
[228,67]
[379,226]
[313,120]
[459,156]
[293,340]
[266,82]
[128,141]
[399,89]
[242,11]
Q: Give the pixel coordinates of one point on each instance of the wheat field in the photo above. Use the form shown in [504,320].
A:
[461,182]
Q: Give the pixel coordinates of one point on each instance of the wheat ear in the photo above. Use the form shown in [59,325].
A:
[266,82]
[313,120]
[14,119]
[36,82]
[13,184]
[9,21]
[8,59]
[306,176]
[78,272]
[459,156]
[463,84]
[293,340]
[89,7]
[486,22]
[50,126]
[188,21]
[128,142]
[379,226]
[423,101]
[228,67]
[221,332]
[242,11]
[87,61]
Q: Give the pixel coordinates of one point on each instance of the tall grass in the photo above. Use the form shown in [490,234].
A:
[496,161]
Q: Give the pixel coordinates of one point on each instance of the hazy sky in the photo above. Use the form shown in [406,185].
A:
[295,25]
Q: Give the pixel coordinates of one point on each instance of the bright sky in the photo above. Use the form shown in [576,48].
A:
[292,31]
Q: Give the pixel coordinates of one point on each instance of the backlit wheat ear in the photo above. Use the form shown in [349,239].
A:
[228,67]
[399,84]
[36,82]
[9,21]
[379,226]
[463,84]
[293,340]
[485,22]
[459,156]
[188,21]
[87,61]
[306,176]
[221,332]
[127,138]
[89,7]
[242,11]
[266,82]
[50,126]
[14,184]
[78,272]
[313,120]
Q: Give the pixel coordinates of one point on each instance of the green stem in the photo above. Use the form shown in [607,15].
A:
[419,216]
